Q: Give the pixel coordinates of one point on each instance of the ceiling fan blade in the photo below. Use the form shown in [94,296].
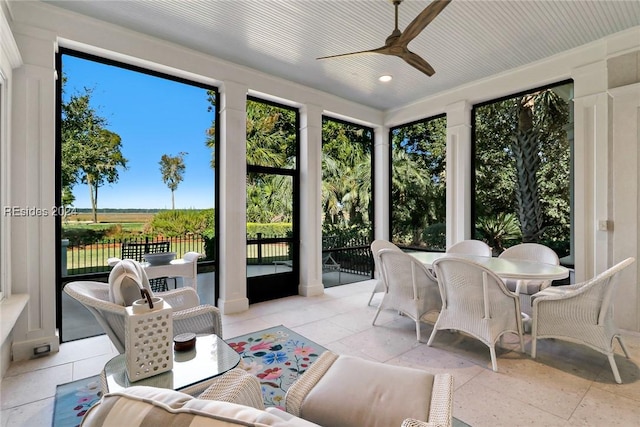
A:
[421,21]
[378,50]
[418,63]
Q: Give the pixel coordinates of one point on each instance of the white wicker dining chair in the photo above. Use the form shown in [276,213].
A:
[410,288]
[581,313]
[476,301]
[188,314]
[470,247]
[376,246]
[526,288]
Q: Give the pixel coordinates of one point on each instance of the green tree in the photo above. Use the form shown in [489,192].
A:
[172,169]
[91,154]
[346,175]
[100,163]
[523,164]
[418,182]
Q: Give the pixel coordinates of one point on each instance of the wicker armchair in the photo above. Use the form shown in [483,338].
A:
[477,302]
[377,246]
[188,314]
[526,288]
[470,247]
[581,313]
[410,287]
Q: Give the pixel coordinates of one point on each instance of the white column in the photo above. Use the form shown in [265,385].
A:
[592,169]
[232,155]
[458,172]
[626,202]
[381,184]
[310,169]
[32,181]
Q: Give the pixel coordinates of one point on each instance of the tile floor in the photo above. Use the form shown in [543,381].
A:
[566,385]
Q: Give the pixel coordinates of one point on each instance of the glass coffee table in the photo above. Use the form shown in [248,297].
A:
[193,371]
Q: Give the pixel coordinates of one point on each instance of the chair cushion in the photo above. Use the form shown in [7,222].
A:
[141,406]
[347,393]
[126,280]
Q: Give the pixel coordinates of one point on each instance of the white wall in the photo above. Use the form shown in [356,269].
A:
[11,304]
[39,29]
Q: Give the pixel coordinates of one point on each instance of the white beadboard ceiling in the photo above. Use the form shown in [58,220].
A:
[469,40]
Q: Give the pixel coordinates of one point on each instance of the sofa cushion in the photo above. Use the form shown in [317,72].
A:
[348,391]
[147,406]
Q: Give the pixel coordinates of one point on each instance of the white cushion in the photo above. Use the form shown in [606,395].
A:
[141,405]
[352,387]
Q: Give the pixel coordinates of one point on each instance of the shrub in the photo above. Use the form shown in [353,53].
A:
[181,222]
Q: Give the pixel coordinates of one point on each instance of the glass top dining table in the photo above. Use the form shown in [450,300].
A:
[505,268]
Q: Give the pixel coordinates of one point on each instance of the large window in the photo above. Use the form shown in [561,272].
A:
[347,201]
[136,164]
[418,184]
[522,157]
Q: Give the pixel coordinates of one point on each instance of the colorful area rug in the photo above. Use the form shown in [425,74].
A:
[74,399]
[277,356]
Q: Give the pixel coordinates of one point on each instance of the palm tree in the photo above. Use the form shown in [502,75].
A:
[538,114]
[172,169]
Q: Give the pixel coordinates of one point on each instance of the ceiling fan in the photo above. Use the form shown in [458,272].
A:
[396,43]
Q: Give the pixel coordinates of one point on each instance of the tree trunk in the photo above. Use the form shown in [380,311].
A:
[93,197]
[173,203]
[530,214]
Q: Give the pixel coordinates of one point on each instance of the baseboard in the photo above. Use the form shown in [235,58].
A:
[24,350]
[311,290]
[233,306]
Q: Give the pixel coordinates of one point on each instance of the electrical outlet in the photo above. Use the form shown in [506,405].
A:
[41,350]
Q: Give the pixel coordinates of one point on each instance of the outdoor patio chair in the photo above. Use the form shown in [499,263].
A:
[409,287]
[470,247]
[477,302]
[581,313]
[135,251]
[526,288]
[330,264]
[106,301]
[377,246]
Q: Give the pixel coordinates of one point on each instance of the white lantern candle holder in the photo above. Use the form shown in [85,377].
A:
[148,338]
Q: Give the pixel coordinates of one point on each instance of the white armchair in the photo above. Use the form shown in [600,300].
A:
[377,246]
[477,302]
[470,247]
[410,288]
[526,288]
[107,301]
[581,313]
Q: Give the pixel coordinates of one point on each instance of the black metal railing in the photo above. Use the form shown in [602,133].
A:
[263,249]
[352,253]
[88,258]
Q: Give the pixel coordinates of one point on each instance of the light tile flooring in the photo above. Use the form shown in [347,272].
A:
[567,384]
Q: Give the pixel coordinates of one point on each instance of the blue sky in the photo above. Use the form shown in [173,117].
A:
[153,116]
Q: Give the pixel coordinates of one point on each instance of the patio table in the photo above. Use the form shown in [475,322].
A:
[505,268]
[187,268]
[519,270]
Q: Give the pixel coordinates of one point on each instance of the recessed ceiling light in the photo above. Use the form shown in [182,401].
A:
[385,78]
